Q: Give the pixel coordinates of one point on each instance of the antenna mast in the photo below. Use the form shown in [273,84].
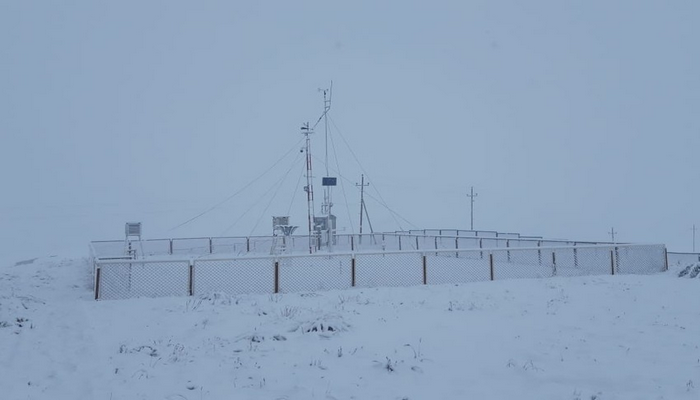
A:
[309,188]
[328,181]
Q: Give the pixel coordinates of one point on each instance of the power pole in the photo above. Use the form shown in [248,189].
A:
[694,229]
[612,234]
[362,201]
[471,196]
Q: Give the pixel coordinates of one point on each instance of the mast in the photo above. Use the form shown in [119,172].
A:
[309,188]
[328,181]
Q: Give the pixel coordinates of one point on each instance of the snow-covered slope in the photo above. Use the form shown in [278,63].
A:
[607,337]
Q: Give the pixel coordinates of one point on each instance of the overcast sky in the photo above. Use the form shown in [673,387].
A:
[568,117]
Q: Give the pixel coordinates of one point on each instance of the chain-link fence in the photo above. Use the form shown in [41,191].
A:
[683,259]
[119,279]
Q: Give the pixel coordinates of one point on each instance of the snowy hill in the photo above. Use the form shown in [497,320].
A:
[603,337]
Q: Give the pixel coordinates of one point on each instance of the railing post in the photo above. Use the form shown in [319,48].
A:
[481,253]
[575,256]
[352,271]
[211,247]
[457,245]
[554,264]
[277,276]
[417,248]
[247,245]
[190,285]
[97,283]
[665,259]
[352,242]
[491,265]
[425,269]
[399,242]
[171,247]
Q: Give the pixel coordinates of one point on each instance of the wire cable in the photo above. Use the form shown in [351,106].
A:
[294,195]
[217,205]
[278,184]
[393,213]
[342,187]
[383,202]
[257,201]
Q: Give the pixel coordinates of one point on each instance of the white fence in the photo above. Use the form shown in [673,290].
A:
[127,278]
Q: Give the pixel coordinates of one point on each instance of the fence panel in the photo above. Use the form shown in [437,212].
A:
[520,263]
[310,273]
[393,269]
[144,279]
[457,267]
[238,276]
[639,259]
[683,258]
[584,261]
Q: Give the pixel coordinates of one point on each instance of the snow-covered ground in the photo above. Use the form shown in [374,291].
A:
[603,338]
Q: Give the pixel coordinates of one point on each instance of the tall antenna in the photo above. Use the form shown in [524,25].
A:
[328,182]
[471,196]
[309,188]
[362,201]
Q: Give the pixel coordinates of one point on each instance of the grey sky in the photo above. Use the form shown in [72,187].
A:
[568,117]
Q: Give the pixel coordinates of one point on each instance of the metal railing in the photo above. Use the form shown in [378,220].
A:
[270,245]
[127,278]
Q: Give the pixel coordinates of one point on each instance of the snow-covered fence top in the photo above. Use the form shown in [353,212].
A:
[127,278]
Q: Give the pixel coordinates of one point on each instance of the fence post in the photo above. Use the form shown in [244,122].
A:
[399,242]
[211,247]
[352,270]
[665,259]
[277,276]
[481,253]
[97,283]
[508,246]
[575,256]
[247,245]
[457,245]
[191,279]
[352,243]
[425,269]
[436,243]
[554,264]
[171,247]
[417,243]
[491,265]
[612,262]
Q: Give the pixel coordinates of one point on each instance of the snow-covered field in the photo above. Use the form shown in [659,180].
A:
[603,338]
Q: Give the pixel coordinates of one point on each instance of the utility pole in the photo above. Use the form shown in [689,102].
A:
[471,198]
[694,230]
[362,201]
[612,234]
